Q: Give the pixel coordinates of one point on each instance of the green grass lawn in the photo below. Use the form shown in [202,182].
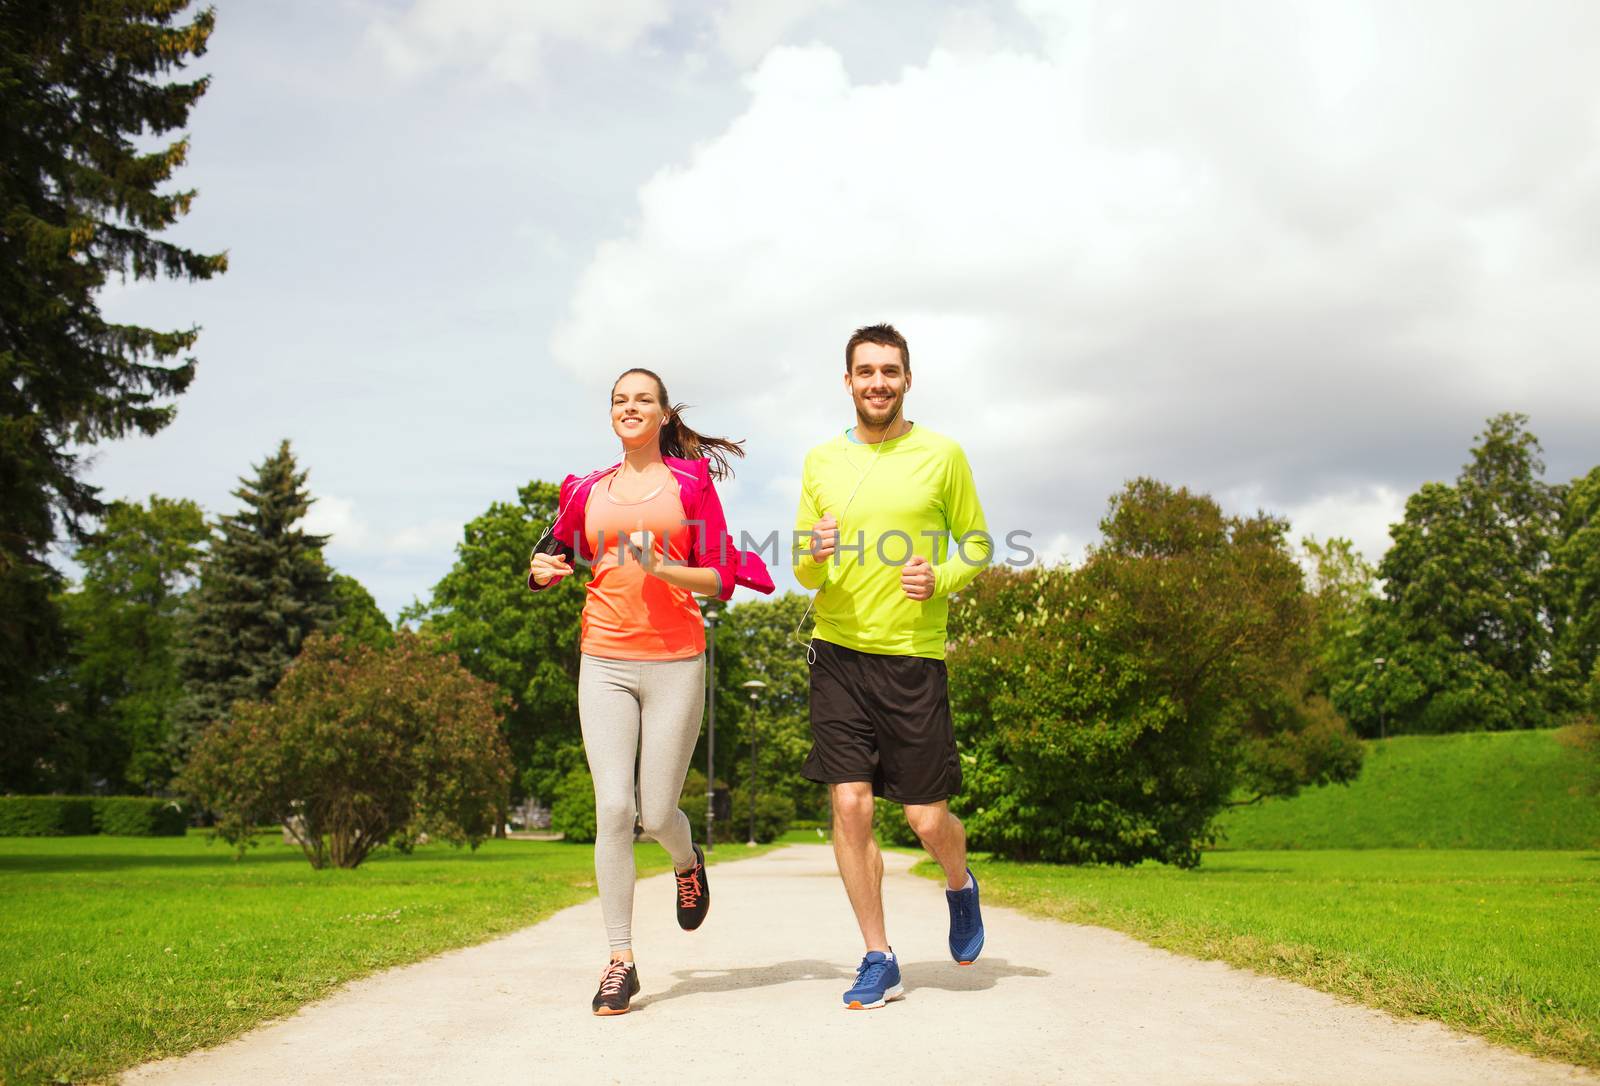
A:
[117,950]
[1496,790]
[1498,943]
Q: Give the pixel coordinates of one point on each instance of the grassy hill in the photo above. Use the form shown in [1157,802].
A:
[1490,790]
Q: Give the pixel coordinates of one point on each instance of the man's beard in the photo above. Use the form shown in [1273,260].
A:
[889,411]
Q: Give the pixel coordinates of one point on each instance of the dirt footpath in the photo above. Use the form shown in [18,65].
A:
[753,997]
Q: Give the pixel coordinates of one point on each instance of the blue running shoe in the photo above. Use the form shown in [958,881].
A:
[877,982]
[966,922]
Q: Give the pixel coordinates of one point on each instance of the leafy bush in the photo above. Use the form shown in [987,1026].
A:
[773,814]
[359,746]
[71,816]
[889,823]
[139,816]
[1107,714]
[692,802]
[46,816]
[572,808]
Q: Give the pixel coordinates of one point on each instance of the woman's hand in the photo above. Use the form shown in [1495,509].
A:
[642,549]
[545,568]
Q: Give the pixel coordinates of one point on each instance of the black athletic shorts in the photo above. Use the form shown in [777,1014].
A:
[884,719]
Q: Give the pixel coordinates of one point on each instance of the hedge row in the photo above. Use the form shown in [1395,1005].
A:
[68,816]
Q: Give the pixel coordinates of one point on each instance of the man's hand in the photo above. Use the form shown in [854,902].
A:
[916,578]
[824,538]
[548,567]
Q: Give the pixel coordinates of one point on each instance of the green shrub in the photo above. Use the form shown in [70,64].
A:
[572,807]
[46,816]
[889,823]
[139,816]
[774,811]
[1107,713]
[692,802]
[773,814]
[360,746]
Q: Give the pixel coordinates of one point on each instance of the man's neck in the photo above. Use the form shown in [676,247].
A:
[868,434]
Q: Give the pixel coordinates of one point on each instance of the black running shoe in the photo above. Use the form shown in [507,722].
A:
[618,985]
[694,896]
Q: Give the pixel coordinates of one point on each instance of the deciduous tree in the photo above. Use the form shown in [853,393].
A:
[356,614]
[1108,713]
[359,746]
[123,685]
[1466,620]
[1575,586]
[526,643]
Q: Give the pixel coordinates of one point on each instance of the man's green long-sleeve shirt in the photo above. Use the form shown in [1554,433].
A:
[916,496]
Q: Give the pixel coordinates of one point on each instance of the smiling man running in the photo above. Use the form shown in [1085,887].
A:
[913,531]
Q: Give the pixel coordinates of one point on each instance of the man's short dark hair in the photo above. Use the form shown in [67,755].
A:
[884,335]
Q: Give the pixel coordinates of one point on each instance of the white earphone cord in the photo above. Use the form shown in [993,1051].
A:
[811,653]
[562,508]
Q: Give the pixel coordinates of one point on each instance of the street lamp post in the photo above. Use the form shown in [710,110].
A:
[755,686]
[711,617]
[1383,732]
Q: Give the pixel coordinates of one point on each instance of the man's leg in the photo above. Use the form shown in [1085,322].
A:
[860,862]
[943,836]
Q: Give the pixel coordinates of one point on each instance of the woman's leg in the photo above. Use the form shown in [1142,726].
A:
[608,707]
[671,696]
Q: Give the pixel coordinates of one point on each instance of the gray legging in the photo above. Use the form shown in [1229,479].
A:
[649,710]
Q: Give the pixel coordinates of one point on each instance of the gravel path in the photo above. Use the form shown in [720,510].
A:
[754,997]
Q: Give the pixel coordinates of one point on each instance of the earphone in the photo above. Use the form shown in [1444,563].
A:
[811,653]
[562,508]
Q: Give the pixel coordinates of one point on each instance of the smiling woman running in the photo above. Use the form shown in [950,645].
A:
[652,526]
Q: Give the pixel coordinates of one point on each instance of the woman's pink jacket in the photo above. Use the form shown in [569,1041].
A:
[711,547]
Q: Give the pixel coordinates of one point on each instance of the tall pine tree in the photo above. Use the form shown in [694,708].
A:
[263,589]
[83,83]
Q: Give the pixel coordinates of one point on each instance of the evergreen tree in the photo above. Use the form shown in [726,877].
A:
[263,589]
[83,83]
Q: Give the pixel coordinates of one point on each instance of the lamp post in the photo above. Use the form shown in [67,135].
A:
[755,686]
[711,617]
[1378,664]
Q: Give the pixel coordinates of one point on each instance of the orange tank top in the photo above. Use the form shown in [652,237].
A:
[629,614]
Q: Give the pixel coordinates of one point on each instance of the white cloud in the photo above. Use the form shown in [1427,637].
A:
[1056,550]
[746,29]
[333,516]
[512,41]
[508,40]
[1300,248]
[352,536]
[1361,516]
[429,537]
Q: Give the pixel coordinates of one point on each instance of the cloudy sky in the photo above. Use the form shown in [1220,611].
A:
[1291,254]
